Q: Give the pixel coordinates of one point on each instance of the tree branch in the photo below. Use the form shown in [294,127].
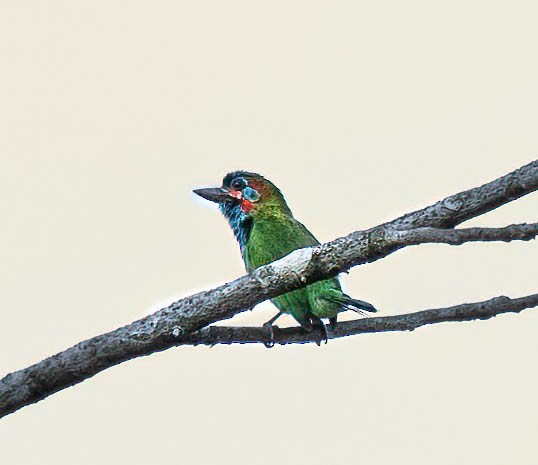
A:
[457,208]
[213,335]
[169,326]
[522,232]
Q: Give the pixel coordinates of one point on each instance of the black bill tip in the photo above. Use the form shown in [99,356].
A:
[214,194]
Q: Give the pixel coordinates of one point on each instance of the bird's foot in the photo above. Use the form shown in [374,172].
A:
[271,343]
[269,325]
[323,328]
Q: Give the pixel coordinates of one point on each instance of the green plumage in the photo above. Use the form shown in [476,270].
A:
[266,231]
[274,235]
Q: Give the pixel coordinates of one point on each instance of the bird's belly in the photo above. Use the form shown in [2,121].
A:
[304,303]
[296,304]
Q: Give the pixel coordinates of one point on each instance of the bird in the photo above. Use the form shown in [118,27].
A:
[266,230]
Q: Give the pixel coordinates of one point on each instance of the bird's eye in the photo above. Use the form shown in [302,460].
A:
[238,183]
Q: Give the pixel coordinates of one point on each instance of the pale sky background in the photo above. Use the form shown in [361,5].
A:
[111,112]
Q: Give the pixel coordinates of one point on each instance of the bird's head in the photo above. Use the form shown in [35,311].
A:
[246,194]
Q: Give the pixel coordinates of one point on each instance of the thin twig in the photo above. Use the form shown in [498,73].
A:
[213,335]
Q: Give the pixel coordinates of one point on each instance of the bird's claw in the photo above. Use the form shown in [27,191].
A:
[271,343]
[325,332]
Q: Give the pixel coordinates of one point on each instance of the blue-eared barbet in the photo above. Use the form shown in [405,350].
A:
[266,230]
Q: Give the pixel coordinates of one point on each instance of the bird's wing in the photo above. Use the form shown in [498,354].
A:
[272,239]
[307,238]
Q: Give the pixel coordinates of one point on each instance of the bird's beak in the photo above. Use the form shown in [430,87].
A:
[214,194]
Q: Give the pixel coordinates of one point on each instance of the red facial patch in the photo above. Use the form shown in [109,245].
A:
[246,206]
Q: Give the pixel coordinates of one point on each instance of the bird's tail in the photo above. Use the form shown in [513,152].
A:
[359,306]
[348,303]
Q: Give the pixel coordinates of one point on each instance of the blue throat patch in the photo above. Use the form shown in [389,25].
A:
[240,222]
